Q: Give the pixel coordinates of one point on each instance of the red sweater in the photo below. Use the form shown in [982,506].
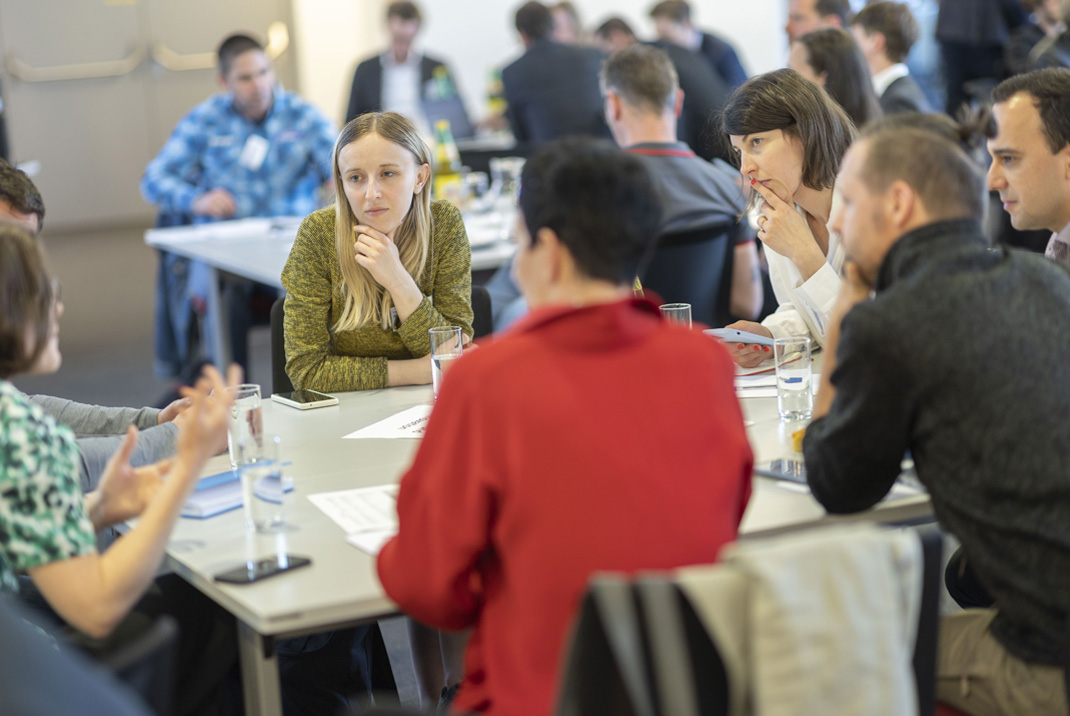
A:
[583,440]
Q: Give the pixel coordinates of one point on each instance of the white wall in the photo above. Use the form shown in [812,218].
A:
[475,35]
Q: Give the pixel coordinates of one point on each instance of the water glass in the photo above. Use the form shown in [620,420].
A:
[677,313]
[446,347]
[794,391]
[246,422]
[263,485]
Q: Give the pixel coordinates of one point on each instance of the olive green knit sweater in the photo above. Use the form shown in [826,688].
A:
[317,357]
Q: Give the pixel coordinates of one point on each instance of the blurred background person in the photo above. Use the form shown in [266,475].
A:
[831,58]
[808,15]
[401,79]
[552,89]
[672,23]
[886,31]
[1045,20]
[255,150]
[972,35]
[568,28]
[705,93]
[1054,51]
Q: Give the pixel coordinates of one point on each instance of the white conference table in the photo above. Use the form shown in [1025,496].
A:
[257,249]
[341,588]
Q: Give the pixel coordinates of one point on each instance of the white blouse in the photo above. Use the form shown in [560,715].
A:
[805,306]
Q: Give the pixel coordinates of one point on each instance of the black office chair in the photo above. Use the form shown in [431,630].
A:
[606,667]
[147,664]
[694,267]
[482,319]
[280,382]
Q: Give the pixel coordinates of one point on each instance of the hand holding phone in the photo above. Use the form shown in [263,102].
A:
[731,335]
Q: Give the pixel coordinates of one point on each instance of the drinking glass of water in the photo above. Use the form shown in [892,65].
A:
[262,483]
[446,346]
[677,313]
[246,422]
[794,394]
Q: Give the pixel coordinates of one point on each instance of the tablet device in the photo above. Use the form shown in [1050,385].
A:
[731,335]
[305,399]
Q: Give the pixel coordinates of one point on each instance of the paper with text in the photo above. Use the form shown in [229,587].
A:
[409,423]
[363,509]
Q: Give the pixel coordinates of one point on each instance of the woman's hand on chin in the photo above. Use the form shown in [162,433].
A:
[378,253]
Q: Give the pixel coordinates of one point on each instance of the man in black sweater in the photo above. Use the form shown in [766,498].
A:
[954,351]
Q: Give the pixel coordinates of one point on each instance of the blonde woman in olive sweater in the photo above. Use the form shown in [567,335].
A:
[367,277]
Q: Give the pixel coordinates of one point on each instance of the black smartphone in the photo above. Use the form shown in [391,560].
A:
[262,569]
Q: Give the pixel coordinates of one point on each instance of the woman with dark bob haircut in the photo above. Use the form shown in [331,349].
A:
[831,58]
[788,138]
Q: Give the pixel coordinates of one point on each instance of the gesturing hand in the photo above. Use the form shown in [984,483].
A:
[172,411]
[124,491]
[378,253]
[203,427]
[217,203]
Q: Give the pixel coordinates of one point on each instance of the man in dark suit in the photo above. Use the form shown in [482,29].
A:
[886,31]
[400,79]
[672,21]
[705,93]
[552,90]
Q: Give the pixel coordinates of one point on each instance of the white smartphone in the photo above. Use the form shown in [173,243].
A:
[305,399]
[731,335]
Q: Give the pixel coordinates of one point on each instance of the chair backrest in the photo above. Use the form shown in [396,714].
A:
[606,669]
[693,267]
[280,382]
[694,662]
[147,664]
[482,319]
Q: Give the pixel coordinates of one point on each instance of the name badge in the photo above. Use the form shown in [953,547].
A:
[253,153]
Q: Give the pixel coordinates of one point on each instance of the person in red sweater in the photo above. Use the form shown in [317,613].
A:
[591,436]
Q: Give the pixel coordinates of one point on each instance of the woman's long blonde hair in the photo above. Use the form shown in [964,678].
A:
[365,300]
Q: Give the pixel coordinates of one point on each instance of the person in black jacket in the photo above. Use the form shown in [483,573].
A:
[400,79]
[552,89]
[672,20]
[951,349]
[886,31]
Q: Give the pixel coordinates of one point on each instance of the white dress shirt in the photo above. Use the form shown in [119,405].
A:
[805,306]
[884,79]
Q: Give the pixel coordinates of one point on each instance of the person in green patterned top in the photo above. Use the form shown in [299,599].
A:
[367,277]
[47,526]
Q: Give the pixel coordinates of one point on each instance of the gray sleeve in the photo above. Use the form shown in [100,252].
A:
[153,444]
[93,420]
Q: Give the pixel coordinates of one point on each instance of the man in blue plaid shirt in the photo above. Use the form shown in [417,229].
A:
[254,151]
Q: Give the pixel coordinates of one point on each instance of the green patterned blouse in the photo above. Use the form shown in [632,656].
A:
[317,357]
[42,510]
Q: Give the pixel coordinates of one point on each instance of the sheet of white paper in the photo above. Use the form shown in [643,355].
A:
[361,510]
[371,542]
[409,423]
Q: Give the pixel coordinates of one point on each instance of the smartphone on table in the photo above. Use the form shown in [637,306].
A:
[305,399]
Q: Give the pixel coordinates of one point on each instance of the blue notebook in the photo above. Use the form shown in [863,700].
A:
[215,494]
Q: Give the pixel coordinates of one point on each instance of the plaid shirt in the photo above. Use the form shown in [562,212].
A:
[204,149]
